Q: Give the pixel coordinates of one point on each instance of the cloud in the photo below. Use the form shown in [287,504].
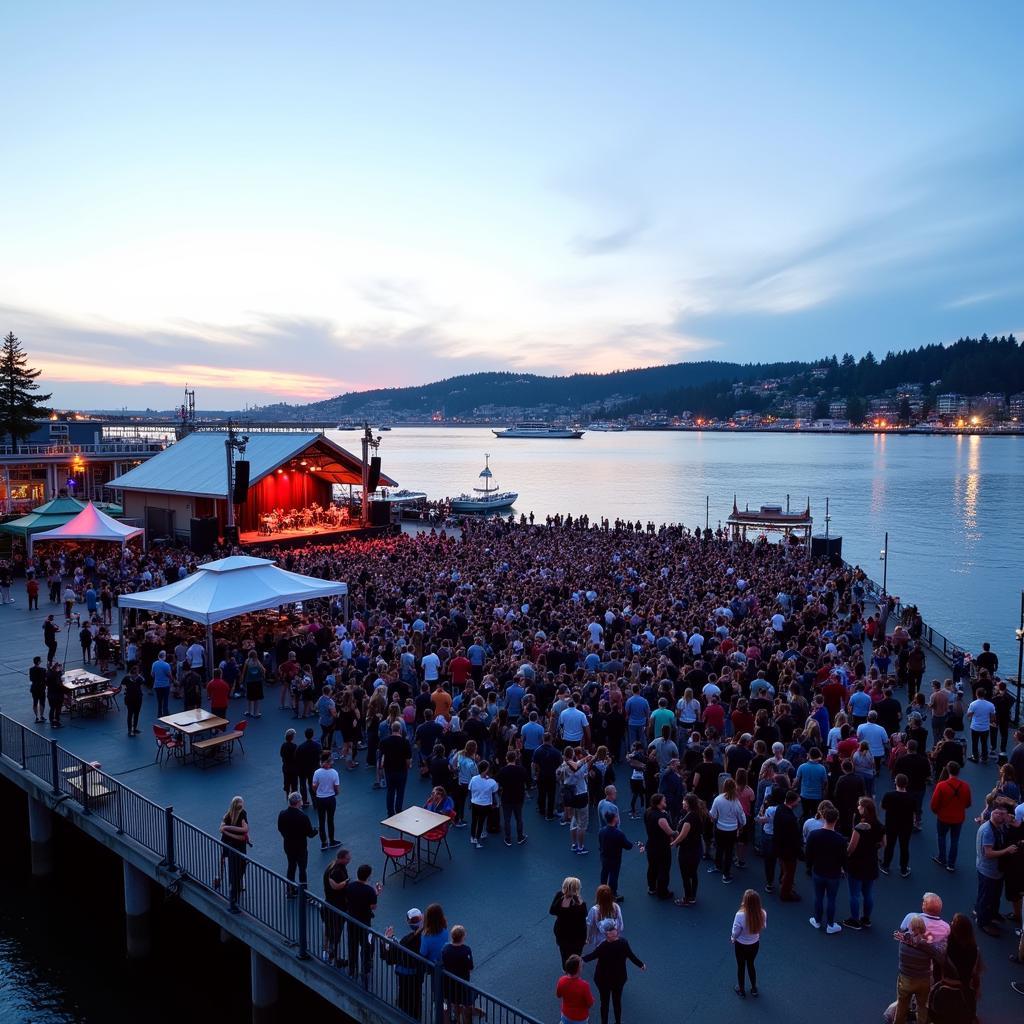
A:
[611,242]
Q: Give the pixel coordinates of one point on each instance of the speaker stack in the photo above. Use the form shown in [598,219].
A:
[240,493]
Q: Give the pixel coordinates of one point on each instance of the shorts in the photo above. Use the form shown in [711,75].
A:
[581,818]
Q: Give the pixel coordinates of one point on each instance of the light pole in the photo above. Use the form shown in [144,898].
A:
[1020,660]
[884,556]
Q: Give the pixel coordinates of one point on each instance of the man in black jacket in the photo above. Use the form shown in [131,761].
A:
[55,692]
[296,830]
[786,829]
[545,763]
[307,760]
[408,970]
[611,843]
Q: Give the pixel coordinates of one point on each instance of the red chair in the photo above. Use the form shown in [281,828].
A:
[113,695]
[434,840]
[397,853]
[241,727]
[166,743]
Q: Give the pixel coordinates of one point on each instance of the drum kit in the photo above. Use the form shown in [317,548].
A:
[295,520]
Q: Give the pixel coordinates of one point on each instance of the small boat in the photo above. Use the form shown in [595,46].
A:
[384,426]
[402,497]
[537,428]
[486,498]
[606,426]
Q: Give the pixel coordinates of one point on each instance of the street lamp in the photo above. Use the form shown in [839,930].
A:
[1020,659]
[883,556]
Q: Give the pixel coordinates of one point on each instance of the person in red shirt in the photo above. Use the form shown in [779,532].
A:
[714,715]
[460,668]
[219,693]
[574,992]
[950,799]
[834,694]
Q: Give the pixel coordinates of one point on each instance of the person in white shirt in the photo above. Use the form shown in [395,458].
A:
[196,657]
[431,664]
[696,643]
[727,814]
[482,789]
[980,713]
[326,786]
[747,926]
[876,737]
[596,631]
[778,622]
[572,724]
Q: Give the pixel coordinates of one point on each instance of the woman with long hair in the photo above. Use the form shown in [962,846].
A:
[604,909]
[747,925]
[745,795]
[234,832]
[955,998]
[433,933]
[866,841]
[690,846]
[728,816]
[570,914]
[464,767]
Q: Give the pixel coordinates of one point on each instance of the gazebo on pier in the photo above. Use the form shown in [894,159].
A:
[771,519]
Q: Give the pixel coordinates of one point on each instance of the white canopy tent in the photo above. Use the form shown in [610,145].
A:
[230,587]
[90,524]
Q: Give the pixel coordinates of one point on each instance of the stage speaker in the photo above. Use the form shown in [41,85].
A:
[240,495]
[380,513]
[203,534]
[827,547]
[374,477]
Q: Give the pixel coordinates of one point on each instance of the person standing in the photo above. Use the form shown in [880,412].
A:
[570,914]
[610,974]
[990,849]
[862,864]
[307,758]
[289,769]
[811,779]
[326,786]
[37,689]
[981,714]
[511,779]
[918,952]
[482,793]
[50,631]
[574,993]
[234,834]
[950,799]
[361,902]
[132,684]
[900,807]
[787,842]
[254,676]
[335,896]
[747,926]
[728,816]
[545,762]
[658,848]
[408,969]
[457,960]
[611,842]
[160,671]
[826,860]
[689,843]
[296,829]
[32,590]
[396,759]
[55,692]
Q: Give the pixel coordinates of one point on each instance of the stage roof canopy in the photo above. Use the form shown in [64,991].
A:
[89,524]
[197,465]
[229,587]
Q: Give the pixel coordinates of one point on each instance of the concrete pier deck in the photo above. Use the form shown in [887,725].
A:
[502,895]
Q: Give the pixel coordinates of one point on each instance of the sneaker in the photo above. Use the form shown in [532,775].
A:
[905,874]
[582,850]
[726,880]
[522,839]
[754,992]
[712,871]
[769,888]
[950,868]
[833,929]
[460,824]
[574,848]
[814,924]
[508,842]
[937,860]
[1017,987]
[865,922]
[739,992]
[852,922]
[473,842]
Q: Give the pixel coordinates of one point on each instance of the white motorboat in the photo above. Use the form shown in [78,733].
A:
[606,426]
[538,428]
[486,498]
[402,497]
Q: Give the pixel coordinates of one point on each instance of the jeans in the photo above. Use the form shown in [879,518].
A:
[325,808]
[297,859]
[163,694]
[892,839]
[825,887]
[725,844]
[614,992]
[953,831]
[861,888]
[546,796]
[510,812]
[478,822]
[745,957]
[787,873]
[133,710]
[768,853]
[690,872]
[637,734]
[987,904]
[395,784]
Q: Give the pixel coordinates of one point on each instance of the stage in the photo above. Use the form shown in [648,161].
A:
[315,535]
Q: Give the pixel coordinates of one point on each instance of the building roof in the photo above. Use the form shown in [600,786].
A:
[196,465]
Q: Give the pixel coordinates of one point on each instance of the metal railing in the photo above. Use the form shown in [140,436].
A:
[126,447]
[351,952]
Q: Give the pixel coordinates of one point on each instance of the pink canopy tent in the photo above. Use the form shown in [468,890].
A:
[90,524]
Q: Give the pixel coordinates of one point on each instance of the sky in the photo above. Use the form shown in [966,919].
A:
[273,202]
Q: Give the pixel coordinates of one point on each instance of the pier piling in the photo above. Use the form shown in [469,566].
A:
[264,989]
[40,831]
[136,912]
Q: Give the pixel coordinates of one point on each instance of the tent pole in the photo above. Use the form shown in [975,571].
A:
[344,608]
[209,651]
[120,633]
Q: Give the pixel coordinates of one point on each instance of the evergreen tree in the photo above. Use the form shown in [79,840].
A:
[905,411]
[19,406]
[855,409]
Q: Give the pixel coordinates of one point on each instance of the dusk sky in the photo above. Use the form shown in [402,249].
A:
[288,201]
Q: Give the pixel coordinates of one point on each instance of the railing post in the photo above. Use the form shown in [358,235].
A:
[83,778]
[303,922]
[439,1017]
[120,809]
[23,731]
[54,765]
[169,829]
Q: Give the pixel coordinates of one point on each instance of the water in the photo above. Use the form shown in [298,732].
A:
[951,505]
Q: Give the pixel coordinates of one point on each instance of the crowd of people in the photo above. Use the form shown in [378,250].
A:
[743,699]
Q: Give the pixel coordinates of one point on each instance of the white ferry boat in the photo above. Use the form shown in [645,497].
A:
[537,428]
[486,498]
[402,497]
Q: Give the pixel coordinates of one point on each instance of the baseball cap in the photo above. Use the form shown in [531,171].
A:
[414,914]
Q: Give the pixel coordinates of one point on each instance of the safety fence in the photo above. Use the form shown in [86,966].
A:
[376,967]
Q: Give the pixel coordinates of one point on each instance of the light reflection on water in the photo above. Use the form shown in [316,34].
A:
[951,504]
